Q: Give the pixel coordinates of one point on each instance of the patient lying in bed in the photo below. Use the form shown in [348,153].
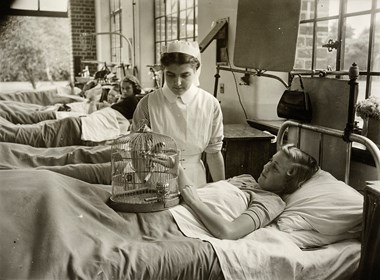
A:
[102,125]
[18,112]
[286,172]
[307,221]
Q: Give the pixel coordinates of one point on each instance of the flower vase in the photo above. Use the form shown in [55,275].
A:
[373,130]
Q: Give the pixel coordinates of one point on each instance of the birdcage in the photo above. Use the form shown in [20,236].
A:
[144,172]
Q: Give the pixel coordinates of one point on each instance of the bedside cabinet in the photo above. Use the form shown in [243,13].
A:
[246,150]
[370,250]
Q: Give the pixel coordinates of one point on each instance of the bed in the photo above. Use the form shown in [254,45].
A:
[55,226]
[36,118]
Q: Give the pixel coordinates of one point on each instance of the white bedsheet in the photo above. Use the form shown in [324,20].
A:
[266,253]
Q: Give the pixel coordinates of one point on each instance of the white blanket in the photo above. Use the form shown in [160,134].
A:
[266,253]
[102,125]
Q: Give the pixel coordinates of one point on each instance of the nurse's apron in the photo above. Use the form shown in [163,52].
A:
[187,124]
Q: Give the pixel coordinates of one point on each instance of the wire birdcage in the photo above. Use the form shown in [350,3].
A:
[144,172]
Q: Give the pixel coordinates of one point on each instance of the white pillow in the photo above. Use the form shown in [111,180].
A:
[312,239]
[322,204]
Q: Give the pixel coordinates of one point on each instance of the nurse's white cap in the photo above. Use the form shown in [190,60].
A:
[187,47]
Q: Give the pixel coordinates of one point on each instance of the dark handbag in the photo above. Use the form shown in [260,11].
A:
[295,104]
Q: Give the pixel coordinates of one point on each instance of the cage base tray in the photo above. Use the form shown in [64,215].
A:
[142,207]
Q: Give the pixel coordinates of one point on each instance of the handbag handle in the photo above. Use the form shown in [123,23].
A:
[301,82]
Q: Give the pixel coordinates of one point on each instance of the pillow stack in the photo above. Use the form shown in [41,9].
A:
[325,210]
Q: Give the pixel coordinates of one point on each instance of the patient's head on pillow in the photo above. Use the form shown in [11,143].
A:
[303,167]
[288,169]
[325,209]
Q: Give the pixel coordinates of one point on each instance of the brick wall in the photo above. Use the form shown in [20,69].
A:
[82,15]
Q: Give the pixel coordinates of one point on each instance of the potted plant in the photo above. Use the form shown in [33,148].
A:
[369,111]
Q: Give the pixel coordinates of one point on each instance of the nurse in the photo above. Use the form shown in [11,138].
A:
[185,112]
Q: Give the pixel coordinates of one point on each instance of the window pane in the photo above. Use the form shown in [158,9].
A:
[25,5]
[175,27]
[158,30]
[171,27]
[171,7]
[57,6]
[304,47]
[158,52]
[307,9]
[327,8]
[376,49]
[168,6]
[362,85]
[157,8]
[358,5]
[190,3]
[182,21]
[375,86]
[326,30]
[190,23]
[357,39]
[162,28]
[182,4]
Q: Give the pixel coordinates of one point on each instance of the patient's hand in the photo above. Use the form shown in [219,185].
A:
[190,195]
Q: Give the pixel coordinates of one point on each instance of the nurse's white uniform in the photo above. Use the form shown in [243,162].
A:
[193,120]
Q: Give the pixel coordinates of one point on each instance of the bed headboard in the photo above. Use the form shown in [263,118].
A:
[324,134]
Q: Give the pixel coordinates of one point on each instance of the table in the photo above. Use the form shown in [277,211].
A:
[246,150]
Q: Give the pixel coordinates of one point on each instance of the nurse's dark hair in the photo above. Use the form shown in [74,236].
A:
[179,59]
[303,167]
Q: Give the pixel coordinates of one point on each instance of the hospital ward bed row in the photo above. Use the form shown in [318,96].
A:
[55,225]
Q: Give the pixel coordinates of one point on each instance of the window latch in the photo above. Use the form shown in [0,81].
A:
[331,45]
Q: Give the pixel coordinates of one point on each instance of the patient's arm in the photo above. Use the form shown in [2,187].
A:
[217,225]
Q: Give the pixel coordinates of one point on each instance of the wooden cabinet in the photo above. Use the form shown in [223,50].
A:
[246,150]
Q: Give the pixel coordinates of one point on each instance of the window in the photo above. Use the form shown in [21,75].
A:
[116,41]
[35,45]
[174,20]
[333,34]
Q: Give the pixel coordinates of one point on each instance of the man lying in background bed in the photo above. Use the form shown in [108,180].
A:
[97,127]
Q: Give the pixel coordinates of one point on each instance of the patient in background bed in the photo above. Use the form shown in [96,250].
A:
[97,127]
[283,174]
[25,113]
[130,87]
